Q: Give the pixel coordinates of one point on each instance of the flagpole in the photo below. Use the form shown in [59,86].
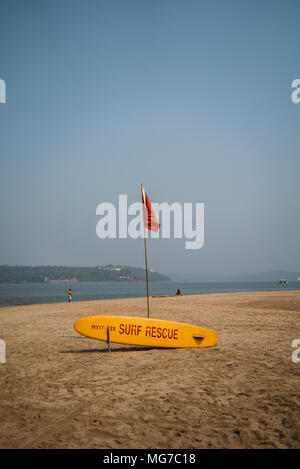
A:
[146,263]
[146,275]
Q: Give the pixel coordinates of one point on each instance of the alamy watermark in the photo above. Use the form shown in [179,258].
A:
[2,351]
[296,353]
[188,221]
[2,91]
[295,96]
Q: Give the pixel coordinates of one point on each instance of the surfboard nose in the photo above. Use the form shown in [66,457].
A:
[78,325]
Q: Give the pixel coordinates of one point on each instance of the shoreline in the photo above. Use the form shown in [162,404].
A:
[152,297]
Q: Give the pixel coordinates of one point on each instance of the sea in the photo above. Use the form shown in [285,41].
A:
[12,294]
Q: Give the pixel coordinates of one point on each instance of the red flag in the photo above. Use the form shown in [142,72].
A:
[150,221]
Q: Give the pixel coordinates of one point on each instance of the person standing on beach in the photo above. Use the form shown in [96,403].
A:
[70,295]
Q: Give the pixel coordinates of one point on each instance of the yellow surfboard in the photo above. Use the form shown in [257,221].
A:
[145,331]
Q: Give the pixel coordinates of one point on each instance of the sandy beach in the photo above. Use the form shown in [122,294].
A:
[62,390]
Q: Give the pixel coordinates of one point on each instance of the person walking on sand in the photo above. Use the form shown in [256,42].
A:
[70,295]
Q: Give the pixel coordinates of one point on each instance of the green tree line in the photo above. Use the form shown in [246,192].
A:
[16,274]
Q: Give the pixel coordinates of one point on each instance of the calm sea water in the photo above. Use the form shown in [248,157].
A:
[34,293]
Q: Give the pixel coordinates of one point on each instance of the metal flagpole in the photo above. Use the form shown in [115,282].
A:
[146,277]
[146,264]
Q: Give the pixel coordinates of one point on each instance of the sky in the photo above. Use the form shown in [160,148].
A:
[191,98]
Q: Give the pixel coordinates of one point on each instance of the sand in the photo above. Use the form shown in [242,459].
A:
[62,390]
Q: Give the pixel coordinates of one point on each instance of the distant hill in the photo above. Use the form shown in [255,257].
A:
[271,276]
[48,274]
[178,277]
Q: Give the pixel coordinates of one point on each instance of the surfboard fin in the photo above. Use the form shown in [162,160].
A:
[199,337]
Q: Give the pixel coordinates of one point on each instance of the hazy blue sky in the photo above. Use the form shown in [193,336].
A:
[191,98]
